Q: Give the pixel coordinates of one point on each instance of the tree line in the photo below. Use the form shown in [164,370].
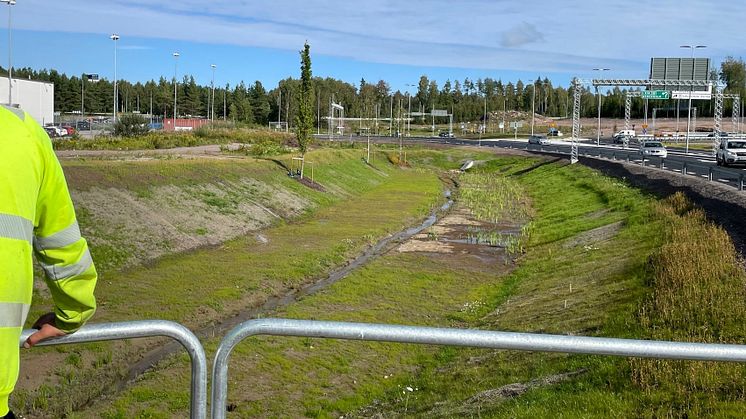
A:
[254,104]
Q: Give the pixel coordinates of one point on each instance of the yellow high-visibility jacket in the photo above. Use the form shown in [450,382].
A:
[36,215]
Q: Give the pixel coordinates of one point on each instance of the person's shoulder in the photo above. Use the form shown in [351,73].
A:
[25,121]
[10,111]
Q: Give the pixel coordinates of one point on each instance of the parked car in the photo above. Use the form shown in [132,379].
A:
[70,130]
[538,139]
[653,149]
[83,126]
[51,132]
[731,152]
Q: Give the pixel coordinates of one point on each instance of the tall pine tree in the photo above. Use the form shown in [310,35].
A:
[304,120]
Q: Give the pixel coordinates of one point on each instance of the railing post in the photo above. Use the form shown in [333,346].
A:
[663,165]
[709,174]
[683,169]
[142,329]
[740,182]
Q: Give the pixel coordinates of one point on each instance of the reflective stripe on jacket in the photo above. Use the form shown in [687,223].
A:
[36,216]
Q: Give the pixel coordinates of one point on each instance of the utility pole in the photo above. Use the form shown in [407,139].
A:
[10,50]
[212,85]
[598,130]
[114,37]
[176,83]
[689,108]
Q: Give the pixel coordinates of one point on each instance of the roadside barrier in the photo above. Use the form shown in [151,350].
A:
[141,329]
[733,178]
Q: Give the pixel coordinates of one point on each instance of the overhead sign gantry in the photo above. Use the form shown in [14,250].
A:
[649,84]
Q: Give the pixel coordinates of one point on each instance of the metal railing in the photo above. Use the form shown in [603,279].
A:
[457,337]
[147,328]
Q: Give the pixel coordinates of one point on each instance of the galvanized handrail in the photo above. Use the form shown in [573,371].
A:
[146,328]
[457,337]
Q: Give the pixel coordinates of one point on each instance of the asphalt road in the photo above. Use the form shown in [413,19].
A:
[696,162]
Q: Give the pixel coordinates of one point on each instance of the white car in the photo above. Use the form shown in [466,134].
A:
[653,149]
[731,152]
[538,139]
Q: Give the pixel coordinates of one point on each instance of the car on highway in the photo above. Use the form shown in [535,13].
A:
[722,134]
[538,139]
[731,152]
[653,149]
[445,135]
[554,132]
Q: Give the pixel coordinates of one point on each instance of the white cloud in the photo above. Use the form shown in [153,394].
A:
[520,35]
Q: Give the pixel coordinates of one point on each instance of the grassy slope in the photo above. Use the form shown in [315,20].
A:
[573,283]
[572,280]
[377,202]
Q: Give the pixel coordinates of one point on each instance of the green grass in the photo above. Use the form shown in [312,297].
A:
[597,254]
[244,272]
[567,287]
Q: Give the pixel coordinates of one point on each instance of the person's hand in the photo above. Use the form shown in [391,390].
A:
[46,327]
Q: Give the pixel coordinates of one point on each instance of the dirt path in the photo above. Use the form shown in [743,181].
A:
[196,151]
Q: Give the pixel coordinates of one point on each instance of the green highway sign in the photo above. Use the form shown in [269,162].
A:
[655,94]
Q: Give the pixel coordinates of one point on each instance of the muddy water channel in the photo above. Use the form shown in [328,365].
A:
[455,233]
[459,234]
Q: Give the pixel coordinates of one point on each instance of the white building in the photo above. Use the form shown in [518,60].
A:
[34,97]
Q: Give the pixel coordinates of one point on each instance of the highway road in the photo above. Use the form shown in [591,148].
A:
[696,163]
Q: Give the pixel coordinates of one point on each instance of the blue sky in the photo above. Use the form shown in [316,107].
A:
[377,39]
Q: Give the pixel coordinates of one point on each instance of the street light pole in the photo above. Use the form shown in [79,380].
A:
[533,99]
[212,108]
[689,108]
[598,130]
[10,51]
[114,37]
[176,66]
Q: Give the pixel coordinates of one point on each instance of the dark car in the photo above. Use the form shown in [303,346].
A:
[51,132]
[446,135]
[83,126]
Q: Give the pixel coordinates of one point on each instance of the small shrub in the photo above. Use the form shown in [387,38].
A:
[131,125]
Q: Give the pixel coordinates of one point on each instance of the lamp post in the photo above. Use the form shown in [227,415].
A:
[10,51]
[533,99]
[689,108]
[409,111]
[176,66]
[212,85]
[598,130]
[114,37]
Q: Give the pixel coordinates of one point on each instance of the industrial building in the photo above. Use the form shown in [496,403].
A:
[34,97]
